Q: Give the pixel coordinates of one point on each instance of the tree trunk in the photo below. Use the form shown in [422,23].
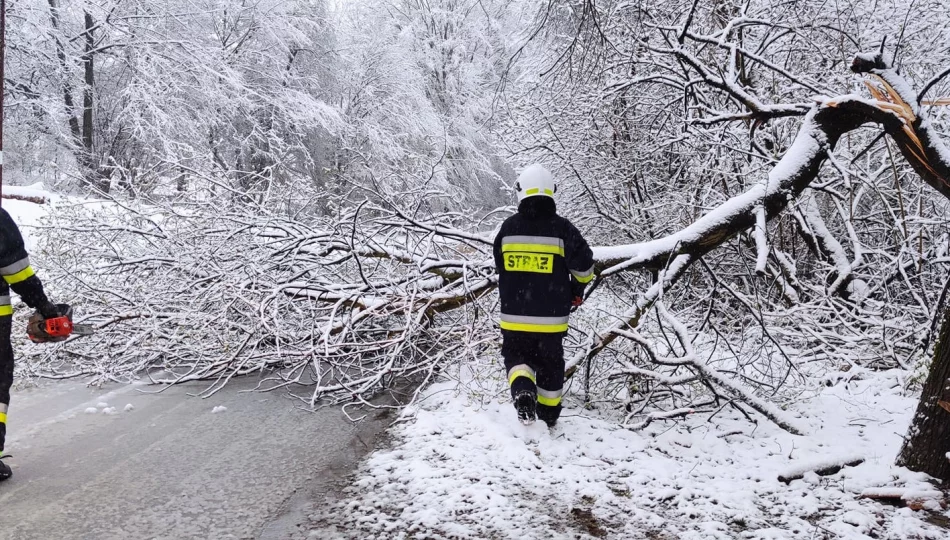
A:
[927,446]
[82,133]
[95,174]
[67,88]
[89,79]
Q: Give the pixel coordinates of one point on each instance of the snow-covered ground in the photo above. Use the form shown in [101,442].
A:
[463,467]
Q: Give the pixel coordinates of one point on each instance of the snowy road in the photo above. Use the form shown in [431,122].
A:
[170,467]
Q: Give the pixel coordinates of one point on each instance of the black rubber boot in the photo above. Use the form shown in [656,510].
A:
[5,471]
[526,405]
[549,414]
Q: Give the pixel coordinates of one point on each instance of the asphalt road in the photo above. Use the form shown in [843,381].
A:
[170,467]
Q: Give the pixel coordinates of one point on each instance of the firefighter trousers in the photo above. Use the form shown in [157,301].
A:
[6,358]
[535,364]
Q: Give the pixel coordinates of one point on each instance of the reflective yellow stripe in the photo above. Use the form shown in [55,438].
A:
[551,398]
[520,370]
[528,323]
[3,418]
[22,275]
[531,239]
[583,276]
[583,279]
[15,267]
[6,310]
[533,248]
[540,328]
[519,373]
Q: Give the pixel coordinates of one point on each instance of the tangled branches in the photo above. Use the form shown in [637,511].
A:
[347,306]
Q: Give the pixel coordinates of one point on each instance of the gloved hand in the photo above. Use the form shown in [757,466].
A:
[577,301]
[50,310]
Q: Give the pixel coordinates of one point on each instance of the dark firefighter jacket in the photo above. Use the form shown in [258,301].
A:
[15,269]
[542,261]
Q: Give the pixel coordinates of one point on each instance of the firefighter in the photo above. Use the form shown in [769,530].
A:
[544,264]
[18,275]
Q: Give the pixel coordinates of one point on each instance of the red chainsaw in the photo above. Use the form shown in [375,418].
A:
[41,329]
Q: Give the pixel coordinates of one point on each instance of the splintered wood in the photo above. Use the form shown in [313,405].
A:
[889,99]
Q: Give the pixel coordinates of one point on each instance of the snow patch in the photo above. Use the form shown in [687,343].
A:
[463,467]
[219,409]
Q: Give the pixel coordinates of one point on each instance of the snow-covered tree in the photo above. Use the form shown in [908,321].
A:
[142,94]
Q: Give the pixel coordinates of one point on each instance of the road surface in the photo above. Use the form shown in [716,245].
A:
[170,467]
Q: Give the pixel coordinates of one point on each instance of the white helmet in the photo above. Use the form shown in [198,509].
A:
[535,180]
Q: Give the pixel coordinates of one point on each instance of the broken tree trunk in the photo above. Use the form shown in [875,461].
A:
[927,446]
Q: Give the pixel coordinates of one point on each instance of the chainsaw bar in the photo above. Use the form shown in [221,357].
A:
[83,329]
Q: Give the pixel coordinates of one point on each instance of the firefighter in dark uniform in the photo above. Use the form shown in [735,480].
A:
[544,264]
[17,274]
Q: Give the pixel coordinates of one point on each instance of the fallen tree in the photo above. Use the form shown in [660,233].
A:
[348,305]
[822,127]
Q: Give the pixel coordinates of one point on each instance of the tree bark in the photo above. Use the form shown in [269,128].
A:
[83,133]
[94,173]
[88,61]
[67,88]
[927,446]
